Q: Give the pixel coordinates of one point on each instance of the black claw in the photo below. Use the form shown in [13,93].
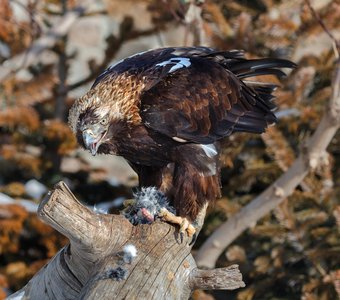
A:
[181,234]
[194,238]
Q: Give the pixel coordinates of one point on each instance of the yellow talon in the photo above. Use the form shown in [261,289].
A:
[184,223]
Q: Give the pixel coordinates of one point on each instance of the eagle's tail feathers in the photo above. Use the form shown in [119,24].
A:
[259,72]
[255,67]
[254,124]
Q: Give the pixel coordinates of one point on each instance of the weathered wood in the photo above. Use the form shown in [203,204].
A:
[96,264]
[216,279]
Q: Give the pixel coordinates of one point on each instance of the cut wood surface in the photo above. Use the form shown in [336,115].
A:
[109,258]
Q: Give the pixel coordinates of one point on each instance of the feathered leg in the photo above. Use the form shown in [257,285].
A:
[195,182]
[196,179]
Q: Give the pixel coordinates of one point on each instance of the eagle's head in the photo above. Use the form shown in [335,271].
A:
[93,130]
[103,115]
[100,132]
[96,125]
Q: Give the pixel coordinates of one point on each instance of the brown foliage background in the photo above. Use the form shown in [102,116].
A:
[292,253]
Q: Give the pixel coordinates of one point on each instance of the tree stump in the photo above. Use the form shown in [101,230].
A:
[109,258]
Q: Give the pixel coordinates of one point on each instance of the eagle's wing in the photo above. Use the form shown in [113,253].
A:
[151,64]
[202,100]
[197,94]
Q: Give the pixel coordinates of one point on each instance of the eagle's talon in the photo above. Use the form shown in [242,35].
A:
[185,226]
[163,213]
[194,238]
[181,235]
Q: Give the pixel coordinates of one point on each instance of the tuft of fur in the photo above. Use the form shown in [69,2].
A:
[129,253]
[117,274]
[148,203]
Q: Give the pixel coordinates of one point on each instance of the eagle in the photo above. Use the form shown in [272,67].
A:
[166,111]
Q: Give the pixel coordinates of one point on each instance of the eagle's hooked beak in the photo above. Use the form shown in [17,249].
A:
[92,140]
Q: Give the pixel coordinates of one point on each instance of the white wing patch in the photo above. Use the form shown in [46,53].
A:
[210,150]
[177,62]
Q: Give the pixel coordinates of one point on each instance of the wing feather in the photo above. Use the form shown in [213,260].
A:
[204,103]
[197,94]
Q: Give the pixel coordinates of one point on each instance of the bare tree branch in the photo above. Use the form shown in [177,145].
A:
[62,89]
[114,45]
[218,279]
[47,41]
[322,24]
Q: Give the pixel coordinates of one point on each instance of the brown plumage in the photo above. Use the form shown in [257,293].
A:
[165,111]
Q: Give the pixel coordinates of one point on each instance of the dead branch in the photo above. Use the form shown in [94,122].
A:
[47,41]
[62,88]
[323,25]
[223,278]
[283,187]
[97,265]
[114,44]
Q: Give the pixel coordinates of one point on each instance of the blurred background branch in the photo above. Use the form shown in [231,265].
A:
[47,41]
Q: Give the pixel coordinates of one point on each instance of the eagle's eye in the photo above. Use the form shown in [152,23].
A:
[104,121]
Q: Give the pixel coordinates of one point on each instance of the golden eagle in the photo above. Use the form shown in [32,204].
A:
[166,110]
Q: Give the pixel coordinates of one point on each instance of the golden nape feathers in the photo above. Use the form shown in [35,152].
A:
[123,89]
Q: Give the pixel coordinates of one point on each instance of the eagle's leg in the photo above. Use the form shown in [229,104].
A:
[185,225]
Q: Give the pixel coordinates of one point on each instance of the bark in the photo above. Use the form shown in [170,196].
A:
[95,265]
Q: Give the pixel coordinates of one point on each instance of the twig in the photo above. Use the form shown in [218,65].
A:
[114,45]
[283,154]
[47,41]
[62,88]
[322,24]
[174,13]
[194,23]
